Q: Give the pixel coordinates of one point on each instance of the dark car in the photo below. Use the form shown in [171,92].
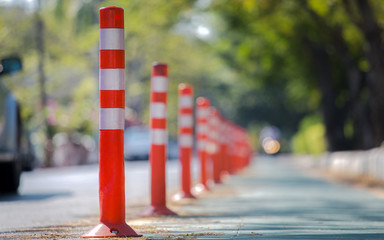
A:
[16,153]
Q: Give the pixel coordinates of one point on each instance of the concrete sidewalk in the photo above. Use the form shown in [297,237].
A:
[272,199]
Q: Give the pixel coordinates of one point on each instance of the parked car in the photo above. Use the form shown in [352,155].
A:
[137,144]
[16,152]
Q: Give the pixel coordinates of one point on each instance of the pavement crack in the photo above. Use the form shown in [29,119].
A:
[239,226]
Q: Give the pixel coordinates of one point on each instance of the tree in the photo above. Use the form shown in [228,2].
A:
[307,49]
[362,14]
[70,58]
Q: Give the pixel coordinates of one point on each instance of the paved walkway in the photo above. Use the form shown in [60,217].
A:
[274,200]
[270,200]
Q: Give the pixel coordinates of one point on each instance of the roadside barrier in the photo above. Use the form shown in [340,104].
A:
[202,114]
[213,143]
[231,148]
[243,148]
[111,128]
[159,139]
[248,149]
[239,149]
[363,165]
[185,139]
[223,148]
[241,157]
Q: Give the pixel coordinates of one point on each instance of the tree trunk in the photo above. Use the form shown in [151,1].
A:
[372,32]
[356,107]
[334,118]
[48,150]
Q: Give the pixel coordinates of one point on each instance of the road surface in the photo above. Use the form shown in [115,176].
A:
[273,199]
[58,195]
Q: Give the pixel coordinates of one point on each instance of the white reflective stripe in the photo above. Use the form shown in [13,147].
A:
[112,79]
[185,120]
[158,110]
[112,118]
[159,136]
[202,145]
[202,129]
[202,112]
[111,39]
[185,101]
[159,84]
[185,140]
[212,147]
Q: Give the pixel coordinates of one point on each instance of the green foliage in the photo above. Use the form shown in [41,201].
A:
[310,139]
[151,37]
[71,61]
[258,66]
[300,58]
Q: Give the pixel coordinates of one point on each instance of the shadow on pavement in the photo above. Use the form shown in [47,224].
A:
[31,197]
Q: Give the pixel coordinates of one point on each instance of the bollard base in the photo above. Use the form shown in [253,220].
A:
[153,211]
[183,195]
[218,181]
[103,230]
[200,188]
[225,176]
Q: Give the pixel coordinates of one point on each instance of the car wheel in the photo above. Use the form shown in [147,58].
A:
[10,177]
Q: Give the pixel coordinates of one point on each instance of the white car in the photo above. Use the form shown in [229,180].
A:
[136,143]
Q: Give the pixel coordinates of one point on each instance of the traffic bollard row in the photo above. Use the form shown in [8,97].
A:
[202,128]
[185,139]
[222,147]
[111,133]
[213,144]
[159,140]
[228,146]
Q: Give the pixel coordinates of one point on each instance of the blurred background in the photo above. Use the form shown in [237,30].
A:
[303,76]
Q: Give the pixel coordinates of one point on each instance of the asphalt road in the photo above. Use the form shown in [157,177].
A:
[273,199]
[58,195]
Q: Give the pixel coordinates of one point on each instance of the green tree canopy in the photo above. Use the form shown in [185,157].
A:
[306,57]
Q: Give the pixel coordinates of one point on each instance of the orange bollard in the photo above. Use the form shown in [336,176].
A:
[213,143]
[225,146]
[247,149]
[111,138]
[242,148]
[223,149]
[159,139]
[239,152]
[185,139]
[250,153]
[202,114]
[232,148]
